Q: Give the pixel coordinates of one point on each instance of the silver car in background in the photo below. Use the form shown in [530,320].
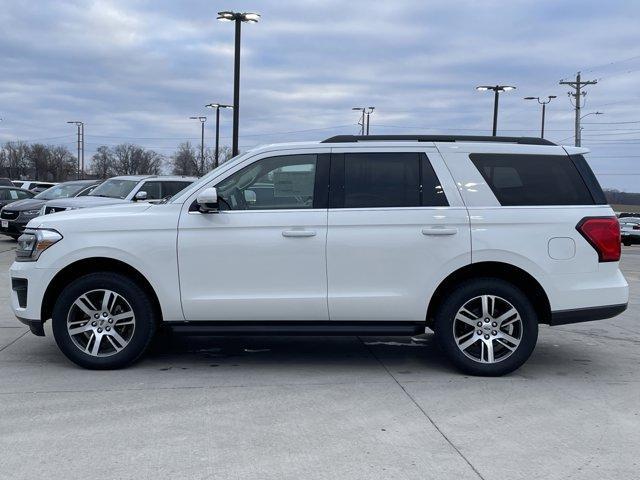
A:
[630,230]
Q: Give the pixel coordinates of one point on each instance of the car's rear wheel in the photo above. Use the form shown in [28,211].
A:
[487,327]
[103,321]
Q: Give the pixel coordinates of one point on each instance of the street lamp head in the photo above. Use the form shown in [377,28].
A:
[552,96]
[250,17]
[226,16]
[202,119]
[495,88]
[531,98]
[218,105]
[247,17]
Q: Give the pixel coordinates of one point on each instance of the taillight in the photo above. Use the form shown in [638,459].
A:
[603,233]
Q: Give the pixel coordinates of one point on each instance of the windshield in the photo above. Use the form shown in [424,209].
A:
[61,191]
[114,188]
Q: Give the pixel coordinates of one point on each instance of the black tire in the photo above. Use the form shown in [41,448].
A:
[626,244]
[137,298]
[465,292]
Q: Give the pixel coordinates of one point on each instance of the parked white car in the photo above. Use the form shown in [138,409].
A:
[33,185]
[630,230]
[478,238]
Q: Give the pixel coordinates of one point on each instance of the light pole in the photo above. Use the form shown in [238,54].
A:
[202,120]
[217,106]
[544,107]
[579,136]
[496,89]
[239,18]
[80,126]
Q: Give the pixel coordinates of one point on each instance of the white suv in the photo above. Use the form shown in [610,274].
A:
[478,238]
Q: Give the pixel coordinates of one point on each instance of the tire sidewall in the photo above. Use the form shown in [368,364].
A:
[137,298]
[486,286]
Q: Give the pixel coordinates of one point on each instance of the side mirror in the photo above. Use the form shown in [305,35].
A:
[140,196]
[208,200]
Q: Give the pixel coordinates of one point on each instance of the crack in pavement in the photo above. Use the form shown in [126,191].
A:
[413,400]
[14,340]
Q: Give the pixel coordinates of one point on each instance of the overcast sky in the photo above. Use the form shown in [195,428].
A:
[135,70]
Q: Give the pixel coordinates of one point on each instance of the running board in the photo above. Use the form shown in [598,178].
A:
[295,328]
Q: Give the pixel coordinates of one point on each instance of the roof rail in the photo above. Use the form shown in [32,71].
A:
[437,138]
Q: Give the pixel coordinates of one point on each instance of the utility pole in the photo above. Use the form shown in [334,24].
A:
[577,94]
[362,121]
[80,126]
[371,109]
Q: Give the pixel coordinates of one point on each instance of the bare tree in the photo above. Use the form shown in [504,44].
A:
[131,159]
[62,164]
[102,162]
[183,162]
[15,156]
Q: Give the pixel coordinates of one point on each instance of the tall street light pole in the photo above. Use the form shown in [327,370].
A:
[496,89]
[80,126]
[579,137]
[217,106]
[238,18]
[202,120]
[544,107]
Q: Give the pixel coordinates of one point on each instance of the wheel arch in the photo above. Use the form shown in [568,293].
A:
[92,265]
[505,271]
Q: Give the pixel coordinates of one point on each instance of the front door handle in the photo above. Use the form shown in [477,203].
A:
[439,231]
[299,233]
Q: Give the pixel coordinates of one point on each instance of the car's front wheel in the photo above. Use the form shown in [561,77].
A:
[103,321]
[487,327]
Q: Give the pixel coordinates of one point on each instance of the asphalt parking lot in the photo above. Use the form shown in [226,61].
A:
[324,408]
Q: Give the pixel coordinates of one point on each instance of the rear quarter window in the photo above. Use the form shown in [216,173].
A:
[528,180]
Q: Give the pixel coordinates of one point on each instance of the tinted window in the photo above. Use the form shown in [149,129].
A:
[283,182]
[169,189]
[21,194]
[4,194]
[153,189]
[432,192]
[533,179]
[381,180]
[389,180]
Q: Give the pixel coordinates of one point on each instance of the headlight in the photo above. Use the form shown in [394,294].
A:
[31,213]
[32,243]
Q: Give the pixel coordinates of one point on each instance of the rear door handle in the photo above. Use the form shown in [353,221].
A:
[439,231]
[299,233]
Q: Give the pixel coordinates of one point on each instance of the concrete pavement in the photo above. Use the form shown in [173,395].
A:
[323,408]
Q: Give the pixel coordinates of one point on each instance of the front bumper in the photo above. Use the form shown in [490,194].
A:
[28,285]
[14,228]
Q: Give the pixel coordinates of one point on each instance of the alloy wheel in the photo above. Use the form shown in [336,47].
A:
[487,329]
[101,322]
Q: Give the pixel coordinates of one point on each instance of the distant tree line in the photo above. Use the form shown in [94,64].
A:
[20,160]
[37,161]
[621,198]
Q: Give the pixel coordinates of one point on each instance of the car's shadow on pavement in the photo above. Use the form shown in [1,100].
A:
[404,356]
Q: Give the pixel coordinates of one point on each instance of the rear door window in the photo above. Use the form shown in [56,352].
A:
[375,180]
[170,188]
[526,180]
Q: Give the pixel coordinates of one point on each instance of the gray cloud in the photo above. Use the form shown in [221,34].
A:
[136,70]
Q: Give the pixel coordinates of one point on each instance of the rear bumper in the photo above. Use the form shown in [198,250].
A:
[577,315]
